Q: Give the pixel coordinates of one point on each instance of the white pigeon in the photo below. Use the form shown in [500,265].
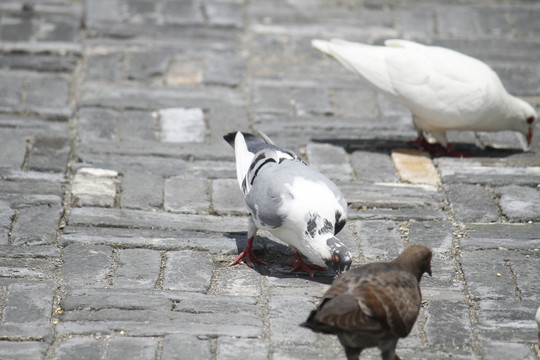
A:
[444,89]
[293,201]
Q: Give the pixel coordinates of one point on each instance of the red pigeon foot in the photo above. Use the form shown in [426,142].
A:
[248,253]
[424,145]
[301,265]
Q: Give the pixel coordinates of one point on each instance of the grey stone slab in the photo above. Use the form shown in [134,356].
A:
[28,303]
[310,351]
[17,28]
[14,148]
[506,350]
[355,103]
[308,100]
[487,276]
[286,312]
[227,198]
[526,268]
[79,348]
[274,100]
[418,22]
[297,286]
[493,21]
[93,299]
[237,280]
[56,96]
[379,240]
[46,62]
[234,348]
[471,203]
[50,153]
[11,90]
[92,216]
[6,218]
[188,195]
[224,14]
[227,71]
[455,21]
[96,124]
[400,214]
[182,125]
[22,350]
[188,271]
[137,125]
[519,203]
[508,321]
[109,67]
[132,348]
[36,225]
[330,160]
[138,268]
[435,235]
[448,324]
[185,347]
[37,252]
[59,28]
[145,66]
[141,190]
[393,196]
[216,304]
[183,13]
[373,167]
[509,236]
[86,265]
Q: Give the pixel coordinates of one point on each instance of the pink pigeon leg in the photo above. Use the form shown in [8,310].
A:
[301,265]
[248,250]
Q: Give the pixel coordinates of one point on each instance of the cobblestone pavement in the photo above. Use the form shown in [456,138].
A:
[119,208]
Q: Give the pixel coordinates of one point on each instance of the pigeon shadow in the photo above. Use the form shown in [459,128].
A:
[387,145]
[276,255]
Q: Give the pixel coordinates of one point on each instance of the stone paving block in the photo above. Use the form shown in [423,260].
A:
[28,303]
[435,235]
[493,21]
[188,271]
[355,103]
[519,203]
[525,269]
[227,71]
[137,125]
[379,240]
[132,348]
[227,197]
[238,281]
[415,167]
[487,276]
[507,321]
[11,90]
[94,187]
[186,71]
[17,28]
[224,14]
[6,218]
[145,66]
[448,324]
[108,67]
[94,299]
[418,22]
[523,24]
[185,347]
[272,99]
[14,149]
[286,312]
[310,351]
[297,286]
[96,124]
[36,225]
[455,20]
[216,304]
[330,160]
[188,195]
[138,268]
[373,167]
[506,350]
[180,125]
[509,236]
[311,101]
[22,350]
[49,153]
[237,348]
[58,28]
[56,96]
[79,348]
[92,272]
[472,203]
[183,13]
[141,190]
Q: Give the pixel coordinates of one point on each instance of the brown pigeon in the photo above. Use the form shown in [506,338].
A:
[375,304]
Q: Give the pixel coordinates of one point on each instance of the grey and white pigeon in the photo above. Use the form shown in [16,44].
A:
[444,89]
[293,201]
[538,324]
[374,305]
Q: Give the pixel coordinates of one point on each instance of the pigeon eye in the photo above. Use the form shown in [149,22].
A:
[335,258]
[530,120]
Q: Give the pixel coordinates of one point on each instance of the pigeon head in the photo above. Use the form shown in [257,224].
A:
[415,259]
[340,257]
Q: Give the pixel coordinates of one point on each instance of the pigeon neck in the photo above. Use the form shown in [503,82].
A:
[410,265]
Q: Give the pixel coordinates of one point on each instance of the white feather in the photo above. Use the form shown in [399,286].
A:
[243,158]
